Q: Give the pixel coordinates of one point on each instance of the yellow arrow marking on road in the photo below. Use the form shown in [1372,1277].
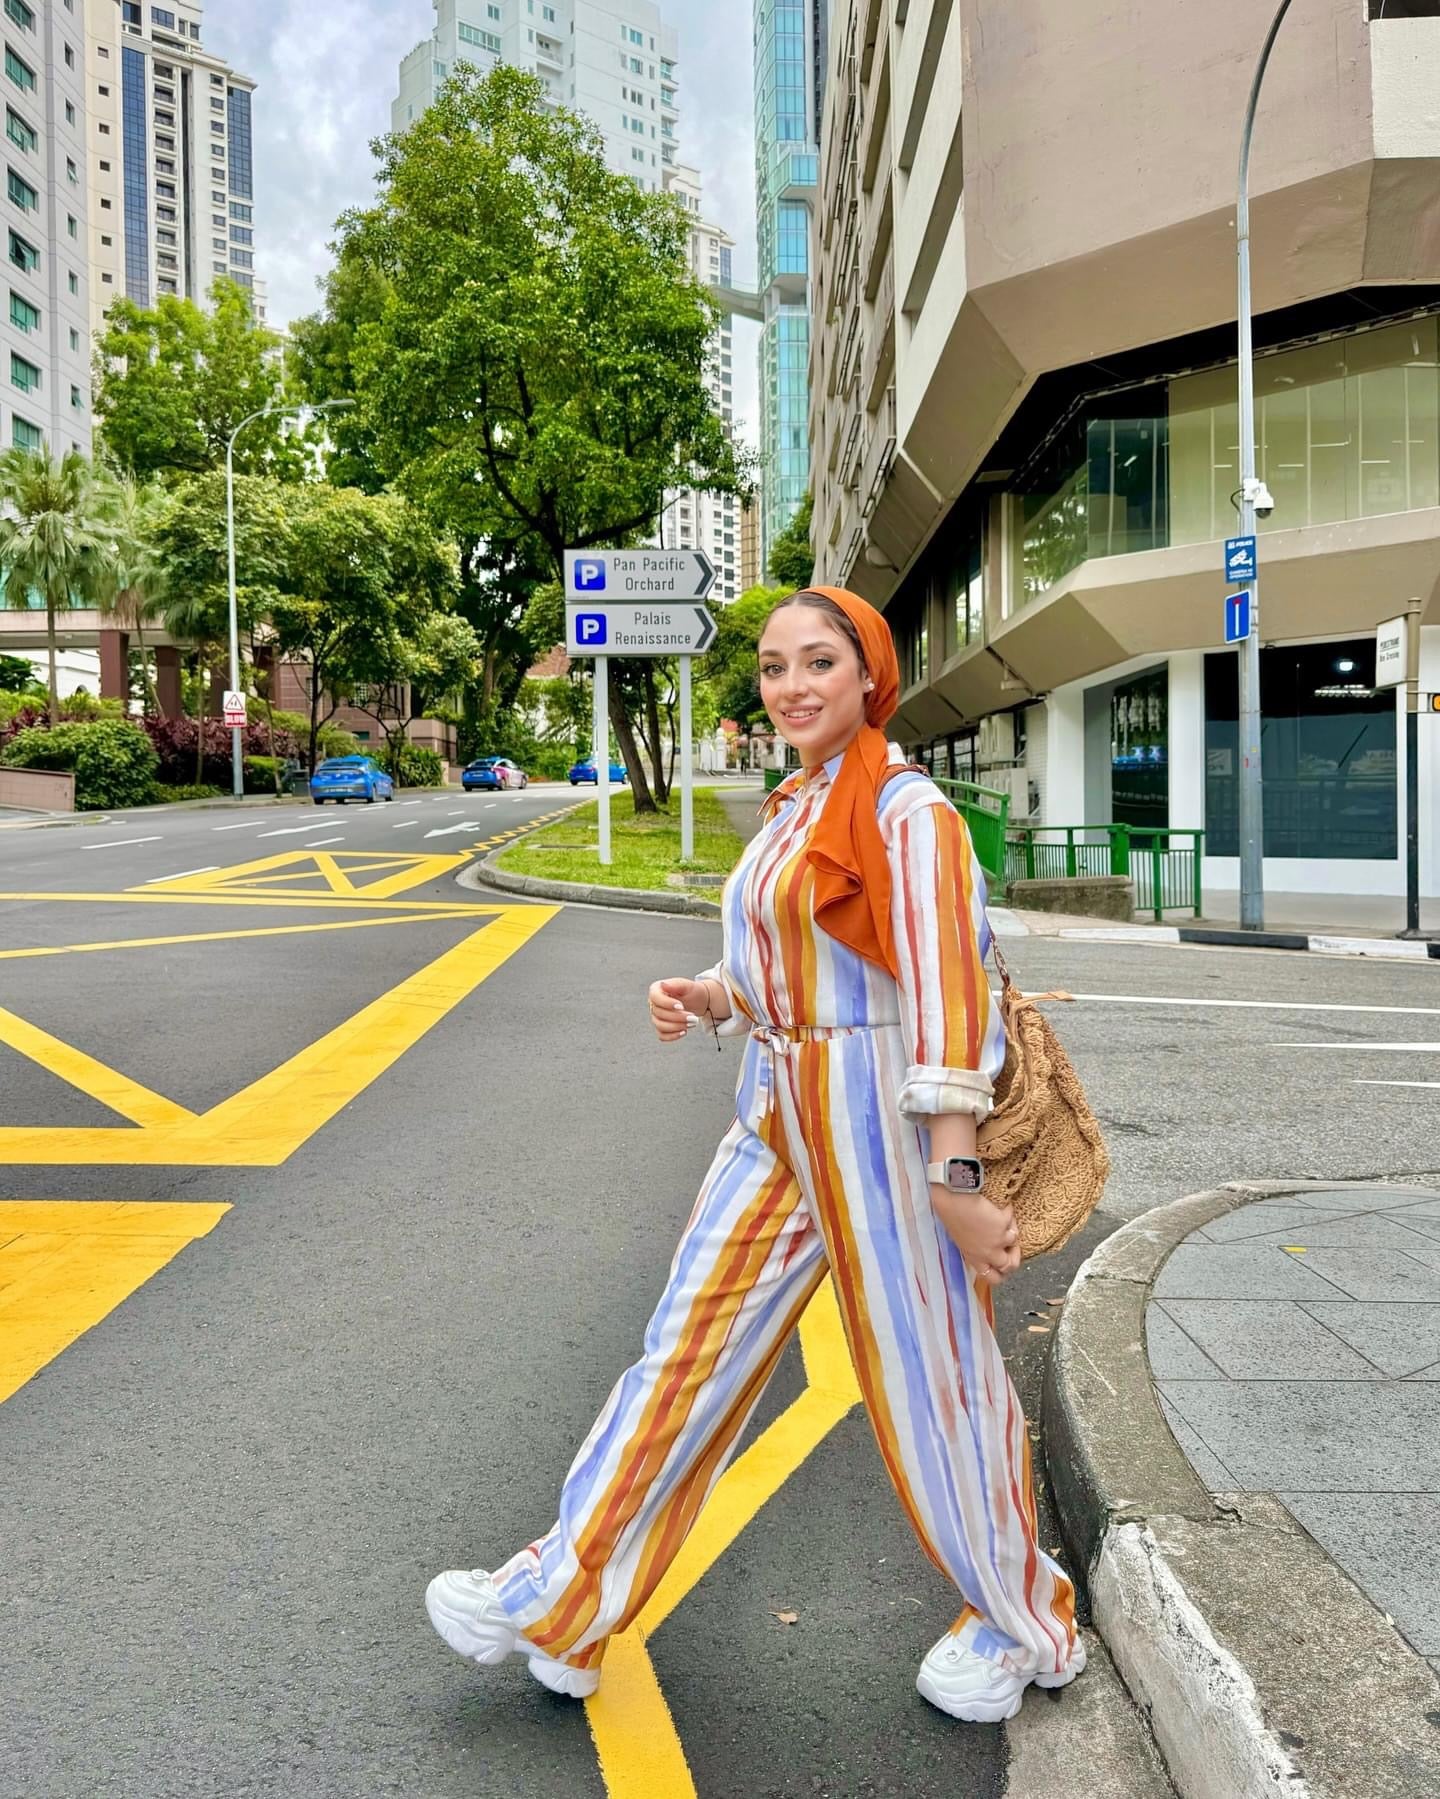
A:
[64,1264]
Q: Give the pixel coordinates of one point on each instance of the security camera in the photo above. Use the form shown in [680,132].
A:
[1258,495]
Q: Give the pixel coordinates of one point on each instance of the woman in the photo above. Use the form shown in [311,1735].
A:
[853,964]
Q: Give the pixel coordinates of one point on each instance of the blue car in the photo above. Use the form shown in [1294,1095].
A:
[492,774]
[585,771]
[342,778]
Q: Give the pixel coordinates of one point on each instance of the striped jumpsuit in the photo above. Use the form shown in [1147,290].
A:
[823,1170]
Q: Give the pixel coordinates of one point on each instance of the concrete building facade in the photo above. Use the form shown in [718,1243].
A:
[46,317]
[1024,420]
[613,60]
[170,162]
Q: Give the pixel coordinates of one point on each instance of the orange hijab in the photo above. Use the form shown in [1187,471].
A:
[846,851]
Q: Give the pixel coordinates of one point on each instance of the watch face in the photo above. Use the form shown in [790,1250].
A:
[962,1175]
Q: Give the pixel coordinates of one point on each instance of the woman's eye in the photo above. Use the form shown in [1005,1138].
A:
[822,662]
[771,668]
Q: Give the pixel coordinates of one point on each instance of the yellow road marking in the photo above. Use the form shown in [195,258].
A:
[274,930]
[65,1264]
[641,1755]
[111,1088]
[156,896]
[269,1120]
[335,871]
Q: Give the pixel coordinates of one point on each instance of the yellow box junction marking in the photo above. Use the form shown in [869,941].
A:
[274,930]
[338,873]
[267,1121]
[641,1755]
[65,1264]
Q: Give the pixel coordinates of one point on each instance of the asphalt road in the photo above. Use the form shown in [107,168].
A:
[221,1503]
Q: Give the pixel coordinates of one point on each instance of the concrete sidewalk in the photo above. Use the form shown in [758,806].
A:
[1243,1432]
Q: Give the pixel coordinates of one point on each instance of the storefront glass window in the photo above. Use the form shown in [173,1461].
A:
[1140,751]
[1327,745]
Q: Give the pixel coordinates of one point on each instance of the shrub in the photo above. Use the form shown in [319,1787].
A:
[175,743]
[187,791]
[112,761]
[412,765]
[23,711]
[332,740]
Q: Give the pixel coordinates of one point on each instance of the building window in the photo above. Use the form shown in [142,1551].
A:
[492,11]
[73,281]
[19,72]
[241,234]
[160,16]
[136,196]
[21,193]
[162,236]
[104,91]
[23,254]
[239,210]
[107,240]
[241,172]
[72,174]
[23,316]
[217,243]
[216,103]
[242,259]
[217,81]
[77,399]
[472,34]
[130,11]
[24,435]
[194,31]
[219,267]
[1327,740]
[24,375]
[166,189]
[74,338]
[69,57]
[69,112]
[21,14]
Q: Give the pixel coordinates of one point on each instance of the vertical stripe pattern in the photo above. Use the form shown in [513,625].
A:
[824,1168]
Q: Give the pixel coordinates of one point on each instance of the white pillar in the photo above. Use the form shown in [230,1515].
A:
[1186,746]
[1063,799]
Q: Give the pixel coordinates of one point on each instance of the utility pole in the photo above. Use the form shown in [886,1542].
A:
[1254,498]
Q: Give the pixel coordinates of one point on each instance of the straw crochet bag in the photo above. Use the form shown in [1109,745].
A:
[1041,1145]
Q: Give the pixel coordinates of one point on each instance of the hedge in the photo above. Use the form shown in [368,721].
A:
[113,762]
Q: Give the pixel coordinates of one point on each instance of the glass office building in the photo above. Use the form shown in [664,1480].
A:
[790,53]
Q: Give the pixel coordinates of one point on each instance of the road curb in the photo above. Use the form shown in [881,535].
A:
[484,873]
[1262,1668]
[1393,949]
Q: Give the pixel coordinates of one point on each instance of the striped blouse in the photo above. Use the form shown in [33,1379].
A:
[779,968]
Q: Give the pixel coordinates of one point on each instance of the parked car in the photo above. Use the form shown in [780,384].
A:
[585,771]
[342,778]
[491,774]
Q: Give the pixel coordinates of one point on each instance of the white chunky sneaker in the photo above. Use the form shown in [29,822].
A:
[466,1610]
[1075,1665]
[969,1686]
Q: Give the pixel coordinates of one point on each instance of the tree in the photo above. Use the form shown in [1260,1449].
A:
[322,362]
[52,542]
[173,381]
[730,670]
[132,580]
[536,371]
[792,560]
[16,675]
[428,657]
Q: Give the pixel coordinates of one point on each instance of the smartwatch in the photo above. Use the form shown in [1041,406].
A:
[961,1174]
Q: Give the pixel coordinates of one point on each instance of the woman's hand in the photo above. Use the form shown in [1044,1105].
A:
[673,1002]
[984,1233]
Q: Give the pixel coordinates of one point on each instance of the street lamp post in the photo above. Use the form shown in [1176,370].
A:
[1252,491]
[237,756]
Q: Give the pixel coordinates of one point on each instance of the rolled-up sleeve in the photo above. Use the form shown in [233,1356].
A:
[737,1024]
[954,1040]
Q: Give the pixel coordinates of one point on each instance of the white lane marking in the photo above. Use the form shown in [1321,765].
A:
[289,831]
[1435,1084]
[408,824]
[184,873]
[120,843]
[1258,1005]
[412,802]
[1428,1049]
[490,805]
[247,824]
[449,830]
[458,813]
[320,842]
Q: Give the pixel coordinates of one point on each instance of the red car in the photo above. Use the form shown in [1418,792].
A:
[490,773]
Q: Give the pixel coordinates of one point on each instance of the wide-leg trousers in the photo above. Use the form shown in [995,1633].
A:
[818,1173]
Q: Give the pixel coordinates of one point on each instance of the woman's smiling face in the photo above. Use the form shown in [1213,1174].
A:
[812,682]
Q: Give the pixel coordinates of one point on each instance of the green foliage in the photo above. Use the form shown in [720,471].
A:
[529,355]
[731,676]
[52,541]
[16,675]
[173,381]
[412,764]
[196,790]
[113,763]
[333,740]
[322,362]
[792,560]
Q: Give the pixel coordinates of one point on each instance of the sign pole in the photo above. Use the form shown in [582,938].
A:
[687,767]
[602,753]
[1412,771]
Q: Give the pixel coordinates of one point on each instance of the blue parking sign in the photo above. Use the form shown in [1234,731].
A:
[589,574]
[590,630]
[1239,559]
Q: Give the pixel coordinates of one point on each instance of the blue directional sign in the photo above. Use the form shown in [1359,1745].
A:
[1237,617]
[591,629]
[1239,558]
[589,574]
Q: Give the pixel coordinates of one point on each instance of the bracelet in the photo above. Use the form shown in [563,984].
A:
[709,1013]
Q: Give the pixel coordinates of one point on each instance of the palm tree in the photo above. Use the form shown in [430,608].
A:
[51,540]
[198,618]
[134,587]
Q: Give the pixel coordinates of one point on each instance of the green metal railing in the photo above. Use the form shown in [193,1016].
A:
[987,817]
[1165,866]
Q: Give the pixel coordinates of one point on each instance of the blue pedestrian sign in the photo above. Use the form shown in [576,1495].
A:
[590,629]
[1237,617]
[1239,559]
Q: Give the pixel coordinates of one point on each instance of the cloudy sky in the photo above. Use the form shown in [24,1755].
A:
[328,70]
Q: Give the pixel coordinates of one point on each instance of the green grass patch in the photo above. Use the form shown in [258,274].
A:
[645,849]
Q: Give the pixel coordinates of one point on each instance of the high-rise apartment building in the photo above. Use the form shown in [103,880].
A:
[170,164]
[1025,414]
[790,59]
[693,520]
[46,320]
[613,60]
